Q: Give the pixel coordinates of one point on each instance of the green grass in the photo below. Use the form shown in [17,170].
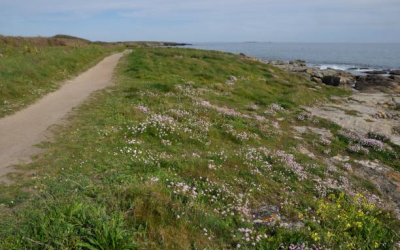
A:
[156,161]
[28,72]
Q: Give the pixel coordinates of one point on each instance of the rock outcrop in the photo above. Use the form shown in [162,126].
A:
[372,82]
[395,72]
[332,77]
[376,83]
[378,72]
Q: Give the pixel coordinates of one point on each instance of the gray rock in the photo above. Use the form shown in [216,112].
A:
[396,101]
[347,82]
[396,130]
[331,80]
[395,72]
[395,78]
[300,63]
[267,215]
[316,79]
[384,178]
[378,72]
[232,80]
[329,72]
[375,83]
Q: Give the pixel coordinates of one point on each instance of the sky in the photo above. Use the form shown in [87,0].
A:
[367,21]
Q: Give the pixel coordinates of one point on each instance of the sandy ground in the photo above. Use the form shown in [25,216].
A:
[359,113]
[19,133]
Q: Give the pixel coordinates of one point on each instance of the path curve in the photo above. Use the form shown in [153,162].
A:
[19,133]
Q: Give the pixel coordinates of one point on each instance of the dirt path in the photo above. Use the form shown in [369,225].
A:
[19,133]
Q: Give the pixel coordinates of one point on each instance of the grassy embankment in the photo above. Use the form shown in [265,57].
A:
[177,156]
[32,67]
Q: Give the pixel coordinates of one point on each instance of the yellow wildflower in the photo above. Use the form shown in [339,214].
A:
[329,234]
[360,195]
[315,237]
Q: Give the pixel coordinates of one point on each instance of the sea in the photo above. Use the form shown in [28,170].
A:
[353,57]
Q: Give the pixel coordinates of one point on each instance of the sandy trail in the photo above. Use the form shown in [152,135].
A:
[19,133]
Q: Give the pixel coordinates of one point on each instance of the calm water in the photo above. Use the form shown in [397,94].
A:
[334,55]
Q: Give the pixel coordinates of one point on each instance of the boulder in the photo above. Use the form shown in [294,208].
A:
[316,79]
[375,83]
[329,72]
[331,80]
[308,71]
[299,63]
[339,81]
[395,72]
[395,78]
[347,81]
[377,72]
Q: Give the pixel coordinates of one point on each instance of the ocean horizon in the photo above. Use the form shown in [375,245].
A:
[355,57]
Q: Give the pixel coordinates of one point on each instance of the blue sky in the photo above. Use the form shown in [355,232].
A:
[206,20]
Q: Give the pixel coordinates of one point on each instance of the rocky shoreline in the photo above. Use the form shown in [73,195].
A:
[373,107]
[387,81]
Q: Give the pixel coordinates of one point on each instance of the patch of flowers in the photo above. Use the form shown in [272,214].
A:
[142,108]
[191,91]
[226,203]
[289,161]
[325,141]
[274,108]
[249,237]
[304,116]
[276,125]
[240,136]
[257,159]
[362,141]
[181,188]
[357,148]
[378,136]
[144,156]
[348,167]
[301,247]
[222,110]
[349,222]
[164,126]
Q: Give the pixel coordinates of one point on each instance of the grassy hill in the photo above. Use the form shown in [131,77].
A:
[199,150]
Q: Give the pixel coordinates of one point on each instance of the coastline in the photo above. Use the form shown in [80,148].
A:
[373,107]
[386,81]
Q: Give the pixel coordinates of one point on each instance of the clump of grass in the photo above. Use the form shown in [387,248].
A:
[70,226]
